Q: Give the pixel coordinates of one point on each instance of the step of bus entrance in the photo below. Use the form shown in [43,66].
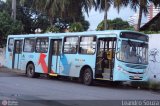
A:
[107,70]
[106,75]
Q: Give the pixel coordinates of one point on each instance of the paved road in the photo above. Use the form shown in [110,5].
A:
[15,86]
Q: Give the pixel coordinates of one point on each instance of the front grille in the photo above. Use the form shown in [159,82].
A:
[136,66]
[135,72]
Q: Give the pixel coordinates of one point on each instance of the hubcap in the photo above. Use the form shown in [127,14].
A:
[30,70]
[87,77]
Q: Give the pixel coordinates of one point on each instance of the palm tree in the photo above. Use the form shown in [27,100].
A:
[50,7]
[143,8]
[76,8]
[13,15]
[120,3]
[155,2]
[63,8]
[104,5]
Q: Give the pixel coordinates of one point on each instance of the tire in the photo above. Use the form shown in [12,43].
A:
[30,71]
[88,77]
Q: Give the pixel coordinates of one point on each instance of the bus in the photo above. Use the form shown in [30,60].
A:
[114,55]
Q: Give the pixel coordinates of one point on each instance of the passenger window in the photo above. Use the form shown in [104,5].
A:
[70,45]
[29,45]
[42,45]
[87,45]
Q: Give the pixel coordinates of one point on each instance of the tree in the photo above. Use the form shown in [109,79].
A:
[69,11]
[76,27]
[13,15]
[120,3]
[104,5]
[63,8]
[9,26]
[143,8]
[115,24]
[30,18]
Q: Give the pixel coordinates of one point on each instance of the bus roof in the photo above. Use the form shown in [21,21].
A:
[113,32]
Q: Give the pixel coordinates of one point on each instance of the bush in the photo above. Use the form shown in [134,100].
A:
[76,27]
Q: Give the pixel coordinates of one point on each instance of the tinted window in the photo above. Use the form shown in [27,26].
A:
[136,36]
[70,45]
[42,45]
[29,45]
[10,44]
[87,45]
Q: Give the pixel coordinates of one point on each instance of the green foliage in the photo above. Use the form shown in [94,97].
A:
[151,32]
[115,24]
[53,29]
[69,11]
[30,18]
[76,27]
[8,26]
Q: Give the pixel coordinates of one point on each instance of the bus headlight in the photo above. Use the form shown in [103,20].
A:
[119,68]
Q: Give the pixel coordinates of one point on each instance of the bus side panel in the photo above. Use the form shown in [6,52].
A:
[85,60]
[41,62]
[71,64]
[8,57]
[26,58]
[67,65]
[38,59]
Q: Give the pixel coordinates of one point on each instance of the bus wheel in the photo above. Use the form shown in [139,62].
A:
[30,71]
[87,77]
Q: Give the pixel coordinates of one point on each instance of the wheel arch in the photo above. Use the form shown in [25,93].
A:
[82,70]
[29,62]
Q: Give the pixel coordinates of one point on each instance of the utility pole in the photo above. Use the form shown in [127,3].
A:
[13,15]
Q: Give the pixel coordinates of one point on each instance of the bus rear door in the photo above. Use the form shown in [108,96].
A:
[54,55]
[17,54]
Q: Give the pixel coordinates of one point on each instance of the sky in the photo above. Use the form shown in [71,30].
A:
[95,17]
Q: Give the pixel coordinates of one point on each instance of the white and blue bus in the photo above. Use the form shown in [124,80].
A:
[114,55]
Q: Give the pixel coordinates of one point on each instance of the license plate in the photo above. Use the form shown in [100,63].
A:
[136,77]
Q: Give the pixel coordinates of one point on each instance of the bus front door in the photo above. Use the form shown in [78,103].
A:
[105,58]
[54,56]
[17,53]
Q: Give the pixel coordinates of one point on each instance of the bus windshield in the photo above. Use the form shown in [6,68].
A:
[133,52]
